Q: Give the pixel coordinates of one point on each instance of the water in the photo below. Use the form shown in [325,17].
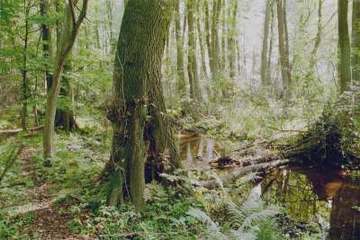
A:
[329,200]
[196,151]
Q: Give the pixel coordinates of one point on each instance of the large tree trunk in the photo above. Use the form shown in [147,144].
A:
[344,67]
[356,41]
[68,38]
[137,69]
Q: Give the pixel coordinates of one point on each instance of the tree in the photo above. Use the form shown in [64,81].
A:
[312,61]
[69,32]
[24,70]
[214,43]
[137,94]
[344,67]
[265,45]
[283,48]
[46,41]
[180,82]
[195,92]
[355,61]
[231,40]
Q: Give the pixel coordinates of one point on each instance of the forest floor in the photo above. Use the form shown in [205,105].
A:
[65,202]
[49,220]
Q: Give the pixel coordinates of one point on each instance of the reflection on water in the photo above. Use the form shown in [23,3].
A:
[329,199]
[196,151]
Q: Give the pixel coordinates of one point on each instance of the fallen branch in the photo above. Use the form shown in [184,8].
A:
[240,172]
[11,132]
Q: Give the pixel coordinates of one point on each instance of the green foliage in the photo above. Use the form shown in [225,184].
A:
[6,230]
[246,221]
[164,217]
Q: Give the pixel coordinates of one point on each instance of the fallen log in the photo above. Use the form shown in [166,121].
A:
[240,172]
[12,132]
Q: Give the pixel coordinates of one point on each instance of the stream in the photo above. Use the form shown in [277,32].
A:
[329,199]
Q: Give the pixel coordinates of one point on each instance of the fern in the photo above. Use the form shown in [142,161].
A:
[244,220]
[212,227]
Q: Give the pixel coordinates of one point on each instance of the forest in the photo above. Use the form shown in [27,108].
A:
[180,119]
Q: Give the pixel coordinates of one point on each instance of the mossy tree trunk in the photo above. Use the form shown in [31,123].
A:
[137,94]
[356,42]
[344,67]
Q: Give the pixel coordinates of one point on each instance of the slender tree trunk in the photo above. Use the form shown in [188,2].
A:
[232,38]
[344,67]
[24,71]
[46,42]
[265,45]
[356,41]
[68,38]
[270,45]
[195,92]
[137,68]
[202,43]
[224,32]
[207,32]
[214,49]
[283,50]
[180,80]
[313,56]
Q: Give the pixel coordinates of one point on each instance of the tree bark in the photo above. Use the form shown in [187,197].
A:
[24,70]
[214,44]
[46,42]
[356,41]
[180,78]
[313,56]
[283,49]
[232,38]
[137,69]
[344,67]
[195,91]
[265,45]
